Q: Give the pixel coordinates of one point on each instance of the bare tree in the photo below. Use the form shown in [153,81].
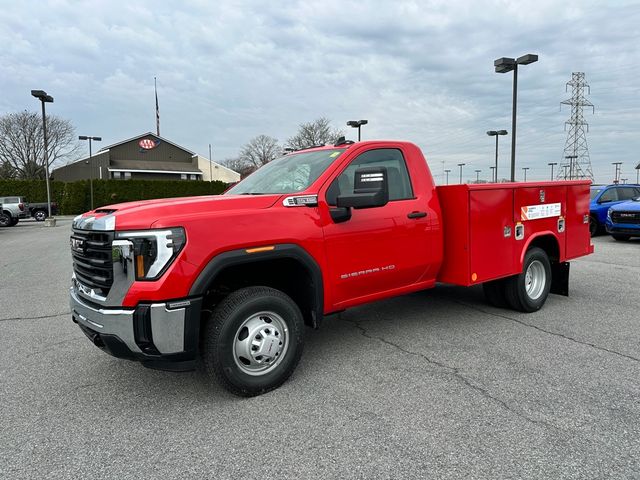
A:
[22,144]
[260,151]
[317,132]
[238,165]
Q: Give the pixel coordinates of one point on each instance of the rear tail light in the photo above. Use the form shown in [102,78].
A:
[21,206]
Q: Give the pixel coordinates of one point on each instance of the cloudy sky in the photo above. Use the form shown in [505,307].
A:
[229,70]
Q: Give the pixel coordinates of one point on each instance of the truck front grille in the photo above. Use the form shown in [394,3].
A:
[625,217]
[92,260]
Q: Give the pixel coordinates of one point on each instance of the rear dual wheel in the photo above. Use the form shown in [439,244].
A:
[527,291]
[253,340]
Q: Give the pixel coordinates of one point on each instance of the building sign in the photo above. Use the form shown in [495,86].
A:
[148,143]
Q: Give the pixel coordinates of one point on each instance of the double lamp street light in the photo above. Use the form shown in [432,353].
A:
[496,133]
[357,124]
[90,162]
[44,98]
[504,65]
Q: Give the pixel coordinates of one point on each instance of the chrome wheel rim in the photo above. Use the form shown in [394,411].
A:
[260,343]
[535,279]
[40,216]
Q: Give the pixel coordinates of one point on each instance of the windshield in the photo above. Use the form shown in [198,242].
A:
[595,192]
[288,174]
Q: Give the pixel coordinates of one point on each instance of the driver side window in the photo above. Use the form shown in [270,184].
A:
[610,195]
[397,174]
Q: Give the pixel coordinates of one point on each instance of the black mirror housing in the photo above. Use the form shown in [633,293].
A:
[370,189]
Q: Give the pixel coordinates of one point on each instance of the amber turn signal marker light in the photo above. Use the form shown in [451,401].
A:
[260,249]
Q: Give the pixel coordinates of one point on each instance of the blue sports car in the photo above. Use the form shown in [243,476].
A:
[623,220]
[603,197]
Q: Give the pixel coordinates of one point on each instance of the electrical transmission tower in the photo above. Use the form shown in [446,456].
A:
[576,163]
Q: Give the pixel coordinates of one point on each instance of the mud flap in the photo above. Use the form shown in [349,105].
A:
[560,278]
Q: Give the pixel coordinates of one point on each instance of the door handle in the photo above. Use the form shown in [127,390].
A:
[416,214]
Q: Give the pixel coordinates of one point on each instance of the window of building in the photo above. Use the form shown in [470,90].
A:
[183,176]
[127,175]
[116,175]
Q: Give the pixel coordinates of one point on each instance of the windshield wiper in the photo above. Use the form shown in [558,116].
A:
[254,193]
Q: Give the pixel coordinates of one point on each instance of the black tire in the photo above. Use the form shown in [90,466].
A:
[5,220]
[621,238]
[14,222]
[594,226]
[39,215]
[494,292]
[531,299]
[230,328]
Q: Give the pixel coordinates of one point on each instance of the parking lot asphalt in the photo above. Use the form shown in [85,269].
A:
[435,384]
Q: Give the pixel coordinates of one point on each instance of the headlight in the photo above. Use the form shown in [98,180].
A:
[153,250]
[609,214]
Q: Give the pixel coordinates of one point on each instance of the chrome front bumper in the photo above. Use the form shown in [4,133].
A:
[105,320]
[152,330]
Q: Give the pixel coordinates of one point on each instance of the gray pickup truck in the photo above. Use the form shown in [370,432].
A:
[13,209]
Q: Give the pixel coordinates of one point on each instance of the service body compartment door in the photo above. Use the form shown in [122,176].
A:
[541,209]
[578,239]
[492,235]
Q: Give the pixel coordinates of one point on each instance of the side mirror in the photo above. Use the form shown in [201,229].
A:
[370,189]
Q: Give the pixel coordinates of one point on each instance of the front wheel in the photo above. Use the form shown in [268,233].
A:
[594,227]
[621,238]
[253,340]
[5,220]
[528,290]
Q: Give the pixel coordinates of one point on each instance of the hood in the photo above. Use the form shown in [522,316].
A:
[628,206]
[143,214]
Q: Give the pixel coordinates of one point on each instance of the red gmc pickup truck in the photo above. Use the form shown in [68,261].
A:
[233,279]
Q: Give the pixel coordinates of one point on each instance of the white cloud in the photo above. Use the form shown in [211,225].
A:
[417,70]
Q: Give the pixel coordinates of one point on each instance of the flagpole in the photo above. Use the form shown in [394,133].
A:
[210,169]
[155,87]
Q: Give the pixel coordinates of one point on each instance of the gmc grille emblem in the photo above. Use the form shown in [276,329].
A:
[77,244]
[627,215]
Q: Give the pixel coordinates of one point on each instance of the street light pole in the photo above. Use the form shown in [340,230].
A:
[525,172]
[97,139]
[461,165]
[44,98]
[571,159]
[638,174]
[496,133]
[552,164]
[357,124]
[447,172]
[617,165]
[478,176]
[504,65]
[493,173]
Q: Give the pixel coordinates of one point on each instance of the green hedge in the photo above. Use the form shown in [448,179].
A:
[75,197]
